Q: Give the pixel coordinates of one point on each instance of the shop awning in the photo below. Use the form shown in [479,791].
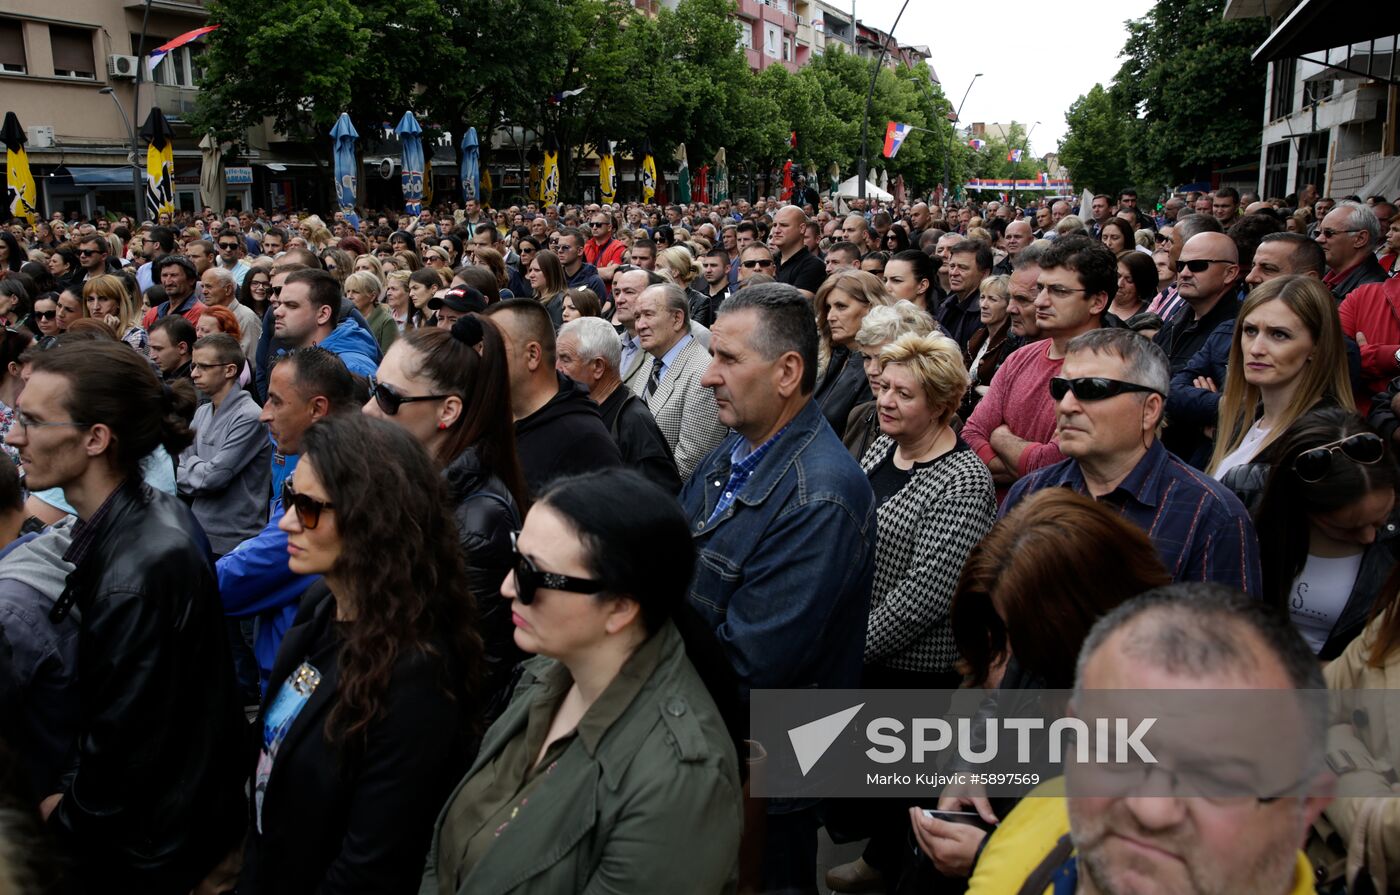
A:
[1319,25]
[83,176]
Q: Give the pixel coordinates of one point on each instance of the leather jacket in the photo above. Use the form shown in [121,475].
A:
[154,798]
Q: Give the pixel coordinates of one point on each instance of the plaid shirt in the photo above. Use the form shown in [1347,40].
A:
[1199,527]
[740,469]
[85,530]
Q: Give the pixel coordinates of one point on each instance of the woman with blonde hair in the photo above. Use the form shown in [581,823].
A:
[680,267]
[408,260]
[365,290]
[396,296]
[883,324]
[992,344]
[106,298]
[1287,356]
[841,304]
[368,263]
[317,235]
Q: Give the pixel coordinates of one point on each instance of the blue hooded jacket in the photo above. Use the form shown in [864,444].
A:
[355,345]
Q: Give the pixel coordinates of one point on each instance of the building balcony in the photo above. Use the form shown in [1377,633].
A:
[750,9]
[754,58]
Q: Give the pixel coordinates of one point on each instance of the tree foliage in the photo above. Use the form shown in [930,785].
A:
[1096,147]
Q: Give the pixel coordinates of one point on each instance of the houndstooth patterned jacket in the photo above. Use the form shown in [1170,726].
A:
[685,410]
[925,533]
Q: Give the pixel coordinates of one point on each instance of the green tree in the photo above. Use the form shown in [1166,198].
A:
[1095,147]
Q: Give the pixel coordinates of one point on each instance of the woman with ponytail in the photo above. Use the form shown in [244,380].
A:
[449,389]
[615,767]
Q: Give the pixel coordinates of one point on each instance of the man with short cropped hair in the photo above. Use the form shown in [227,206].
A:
[579,273]
[842,256]
[221,291]
[796,265]
[969,262]
[745,235]
[714,267]
[306,313]
[169,342]
[177,277]
[230,258]
[92,255]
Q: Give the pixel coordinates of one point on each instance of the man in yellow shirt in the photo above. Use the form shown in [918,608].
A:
[1177,638]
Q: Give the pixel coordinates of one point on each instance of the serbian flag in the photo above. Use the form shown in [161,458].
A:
[159,52]
[977,144]
[894,137]
[787,181]
[1014,155]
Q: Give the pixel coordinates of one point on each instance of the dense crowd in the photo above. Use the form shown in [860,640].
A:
[385,554]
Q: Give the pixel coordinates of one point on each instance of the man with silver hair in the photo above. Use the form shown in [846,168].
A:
[221,290]
[1347,235]
[588,351]
[1110,396]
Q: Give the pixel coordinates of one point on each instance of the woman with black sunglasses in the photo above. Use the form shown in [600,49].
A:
[1328,529]
[615,767]
[367,716]
[450,391]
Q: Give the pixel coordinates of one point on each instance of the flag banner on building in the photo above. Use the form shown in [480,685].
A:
[557,98]
[682,176]
[607,174]
[721,176]
[977,144]
[894,137]
[549,185]
[21,198]
[410,135]
[648,173]
[160,164]
[702,184]
[189,36]
[787,181]
[471,166]
[1015,155]
[1041,184]
[343,137]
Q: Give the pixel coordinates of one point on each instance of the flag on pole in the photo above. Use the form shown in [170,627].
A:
[607,174]
[894,137]
[977,144]
[485,184]
[648,173]
[682,176]
[23,201]
[787,181]
[702,184]
[533,187]
[557,98]
[1014,155]
[793,141]
[721,191]
[549,189]
[159,52]
[160,164]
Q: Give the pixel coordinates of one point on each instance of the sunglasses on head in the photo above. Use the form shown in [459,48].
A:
[390,400]
[308,509]
[1199,265]
[1363,447]
[1095,388]
[529,578]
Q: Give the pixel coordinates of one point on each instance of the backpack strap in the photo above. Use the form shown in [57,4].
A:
[1045,872]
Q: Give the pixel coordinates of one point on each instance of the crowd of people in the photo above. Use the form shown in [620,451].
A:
[444,553]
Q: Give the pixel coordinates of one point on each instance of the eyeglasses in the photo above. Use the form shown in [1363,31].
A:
[1363,447]
[46,315]
[759,263]
[529,578]
[1161,238]
[1328,232]
[25,421]
[390,401]
[1095,388]
[259,284]
[1199,265]
[308,509]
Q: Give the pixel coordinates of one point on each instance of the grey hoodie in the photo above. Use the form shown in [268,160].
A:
[38,659]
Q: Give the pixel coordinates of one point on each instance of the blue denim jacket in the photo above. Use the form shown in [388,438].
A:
[783,576]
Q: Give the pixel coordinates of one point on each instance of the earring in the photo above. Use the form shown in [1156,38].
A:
[442,426]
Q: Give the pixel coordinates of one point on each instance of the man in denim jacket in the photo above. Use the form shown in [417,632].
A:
[784,527]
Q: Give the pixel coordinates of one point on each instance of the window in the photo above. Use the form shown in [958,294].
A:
[177,69]
[72,53]
[12,58]
[787,49]
[1318,91]
[772,40]
[746,35]
[1312,160]
[1276,170]
[1282,74]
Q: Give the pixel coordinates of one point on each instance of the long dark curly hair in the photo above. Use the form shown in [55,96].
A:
[400,561]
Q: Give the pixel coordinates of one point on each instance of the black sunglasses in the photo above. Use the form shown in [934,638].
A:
[228,245]
[86,252]
[1095,388]
[529,578]
[753,264]
[1198,265]
[308,509]
[1364,447]
[46,315]
[390,401]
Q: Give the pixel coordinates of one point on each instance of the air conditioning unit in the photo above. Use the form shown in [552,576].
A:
[41,136]
[122,67]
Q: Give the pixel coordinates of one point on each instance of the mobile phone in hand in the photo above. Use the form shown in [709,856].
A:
[971,818]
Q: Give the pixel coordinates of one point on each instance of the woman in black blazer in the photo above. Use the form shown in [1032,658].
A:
[364,727]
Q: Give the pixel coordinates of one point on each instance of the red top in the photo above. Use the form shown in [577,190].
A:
[1019,398]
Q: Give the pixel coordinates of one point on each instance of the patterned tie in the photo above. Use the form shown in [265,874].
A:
[654,379]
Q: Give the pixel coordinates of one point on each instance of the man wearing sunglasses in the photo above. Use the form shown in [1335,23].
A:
[92,255]
[1347,235]
[231,248]
[1208,280]
[1109,398]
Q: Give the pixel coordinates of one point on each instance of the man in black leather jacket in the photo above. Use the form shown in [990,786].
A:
[152,798]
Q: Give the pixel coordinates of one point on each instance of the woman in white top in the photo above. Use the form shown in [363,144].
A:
[1287,356]
[1328,531]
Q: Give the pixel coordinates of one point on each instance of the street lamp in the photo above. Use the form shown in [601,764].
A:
[870,98]
[136,186]
[1027,145]
[948,156]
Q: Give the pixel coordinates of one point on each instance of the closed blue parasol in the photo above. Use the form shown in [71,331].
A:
[411,140]
[471,161]
[344,135]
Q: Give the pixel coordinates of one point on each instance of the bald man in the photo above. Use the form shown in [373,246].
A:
[1208,280]
[1018,235]
[796,265]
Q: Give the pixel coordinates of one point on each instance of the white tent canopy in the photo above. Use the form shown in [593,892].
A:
[850,189]
[1386,182]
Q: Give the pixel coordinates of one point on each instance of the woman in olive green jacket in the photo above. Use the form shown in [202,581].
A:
[615,766]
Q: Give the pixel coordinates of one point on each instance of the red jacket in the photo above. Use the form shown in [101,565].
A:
[1373,311]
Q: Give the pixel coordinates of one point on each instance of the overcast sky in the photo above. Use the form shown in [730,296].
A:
[1077,45]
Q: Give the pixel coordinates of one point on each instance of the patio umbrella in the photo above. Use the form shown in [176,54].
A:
[648,173]
[549,187]
[607,174]
[211,173]
[721,186]
[19,180]
[343,136]
[410,136]
[471,166]
[160,164]
[682,176]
